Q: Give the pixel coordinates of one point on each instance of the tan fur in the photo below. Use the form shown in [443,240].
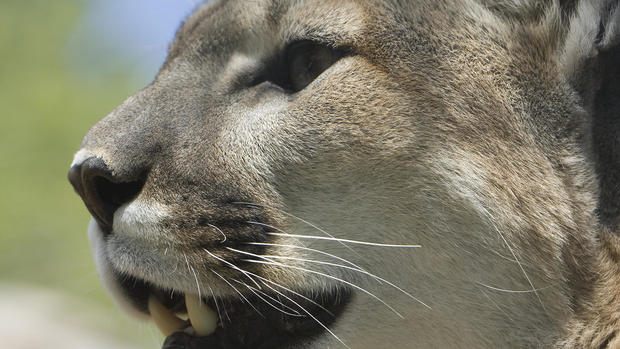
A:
[598,317]
[468,127]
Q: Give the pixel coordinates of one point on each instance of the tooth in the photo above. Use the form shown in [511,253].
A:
[182,316]
[164,319]
[201,316]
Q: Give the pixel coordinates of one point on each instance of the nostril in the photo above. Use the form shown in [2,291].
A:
[102,191]
[115,195]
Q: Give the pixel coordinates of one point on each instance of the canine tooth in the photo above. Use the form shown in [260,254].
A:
[201,316]
[182,316]
[164,319]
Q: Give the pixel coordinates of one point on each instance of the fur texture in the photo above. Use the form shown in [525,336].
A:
[483,131]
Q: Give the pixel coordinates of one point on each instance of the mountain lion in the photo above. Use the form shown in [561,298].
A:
[369,174]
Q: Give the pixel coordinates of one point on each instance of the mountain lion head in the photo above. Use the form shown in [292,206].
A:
[368,174]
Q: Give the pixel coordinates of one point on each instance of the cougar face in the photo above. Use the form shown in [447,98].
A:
[365,174]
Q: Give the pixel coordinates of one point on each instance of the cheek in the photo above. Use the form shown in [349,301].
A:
[349,115]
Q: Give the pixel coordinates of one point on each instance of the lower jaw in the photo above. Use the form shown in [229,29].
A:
[222,340]
[262,327]
[259,325]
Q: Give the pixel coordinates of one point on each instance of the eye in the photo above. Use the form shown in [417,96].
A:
[306,60]
[299,64]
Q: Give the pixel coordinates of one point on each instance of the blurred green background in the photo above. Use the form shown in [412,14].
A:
[53,86]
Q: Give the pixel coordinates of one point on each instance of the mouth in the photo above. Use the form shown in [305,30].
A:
[267,317]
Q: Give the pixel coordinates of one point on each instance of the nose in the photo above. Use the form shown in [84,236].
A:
[101,190]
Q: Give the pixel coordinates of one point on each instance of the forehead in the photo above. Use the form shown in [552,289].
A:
[250,24]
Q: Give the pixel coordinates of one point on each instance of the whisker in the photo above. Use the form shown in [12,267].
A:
[217,307]
[232,266]
[271,227]
[513,291]
[226,311]
[236,290]
[266,226]
[267,257]
[514,255]
[313,317]
[195,276]
[301,220]
[246,203]
[330,238]
[269,262]
[187,262]
[279,301]
[263,280]
[377,244]
[197,283]
[497,306]
[252,289]
[218,229]
[306,249]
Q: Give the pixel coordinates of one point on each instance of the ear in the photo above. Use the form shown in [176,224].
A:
[591,63]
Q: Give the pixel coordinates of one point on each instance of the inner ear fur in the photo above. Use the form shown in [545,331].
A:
[591,62]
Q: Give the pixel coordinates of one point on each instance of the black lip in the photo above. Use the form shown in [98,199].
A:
[273,330]
[136,290]
[256,326]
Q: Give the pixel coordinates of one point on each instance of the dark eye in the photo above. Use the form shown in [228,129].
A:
[299,64]
[306,60]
